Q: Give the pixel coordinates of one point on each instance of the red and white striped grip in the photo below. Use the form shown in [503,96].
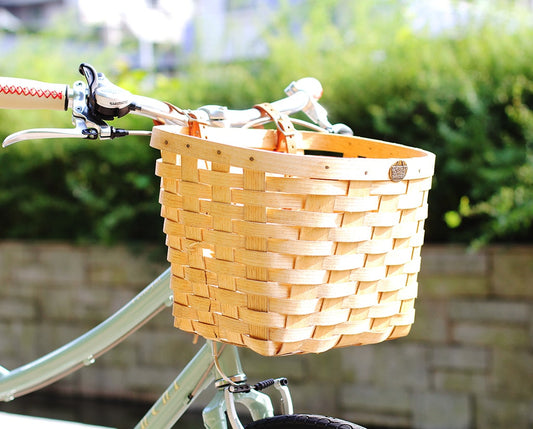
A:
[31,94]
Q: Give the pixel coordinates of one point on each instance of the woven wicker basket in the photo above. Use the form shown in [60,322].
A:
[291,253]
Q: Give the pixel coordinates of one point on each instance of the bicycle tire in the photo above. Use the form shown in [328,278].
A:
[302,421]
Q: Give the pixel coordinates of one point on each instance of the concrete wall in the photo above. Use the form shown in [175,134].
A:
[467,363]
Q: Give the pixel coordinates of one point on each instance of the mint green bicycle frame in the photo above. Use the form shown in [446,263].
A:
[211,365]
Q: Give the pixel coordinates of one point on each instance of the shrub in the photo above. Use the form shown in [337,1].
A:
[466,95]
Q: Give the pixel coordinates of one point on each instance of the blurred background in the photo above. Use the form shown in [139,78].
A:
[453,77]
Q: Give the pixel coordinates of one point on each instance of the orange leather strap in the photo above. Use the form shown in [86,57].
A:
[286,130]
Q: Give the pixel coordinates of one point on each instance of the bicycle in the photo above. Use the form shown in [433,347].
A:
[94,102]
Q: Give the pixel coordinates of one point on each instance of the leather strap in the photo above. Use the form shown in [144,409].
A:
[286,130]
[195,128]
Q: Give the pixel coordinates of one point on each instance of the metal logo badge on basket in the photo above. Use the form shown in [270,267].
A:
[289,253]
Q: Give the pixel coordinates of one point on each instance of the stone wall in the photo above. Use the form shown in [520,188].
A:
[467,363]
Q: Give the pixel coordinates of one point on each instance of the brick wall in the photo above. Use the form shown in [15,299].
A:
[467,363]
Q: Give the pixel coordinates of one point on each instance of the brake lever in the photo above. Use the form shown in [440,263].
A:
[94,131]
[78,132]
[43,133]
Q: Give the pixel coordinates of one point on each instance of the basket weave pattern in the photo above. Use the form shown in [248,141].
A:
[288,253]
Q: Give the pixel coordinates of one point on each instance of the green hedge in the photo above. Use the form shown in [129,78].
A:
[465,95]
[97,191]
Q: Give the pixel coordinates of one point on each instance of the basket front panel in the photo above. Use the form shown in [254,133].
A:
[286,264]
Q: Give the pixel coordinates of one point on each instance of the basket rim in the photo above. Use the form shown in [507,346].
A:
[175,139]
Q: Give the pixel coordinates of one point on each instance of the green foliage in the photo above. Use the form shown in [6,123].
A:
[505,207]
[99,191]
[465,94]
[71,189]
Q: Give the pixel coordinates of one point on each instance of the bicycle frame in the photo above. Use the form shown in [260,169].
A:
[203,370]
[84,350]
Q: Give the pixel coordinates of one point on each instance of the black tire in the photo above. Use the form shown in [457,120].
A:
[302,421]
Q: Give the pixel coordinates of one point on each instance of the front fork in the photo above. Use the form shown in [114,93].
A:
[258,404]
[219,365]
[234,389]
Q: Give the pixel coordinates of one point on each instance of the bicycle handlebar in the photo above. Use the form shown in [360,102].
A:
[32,94]
[99,100]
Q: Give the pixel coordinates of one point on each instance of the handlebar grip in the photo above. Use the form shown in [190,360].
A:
[31,94]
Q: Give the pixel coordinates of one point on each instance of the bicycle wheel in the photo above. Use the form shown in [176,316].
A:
[302,421]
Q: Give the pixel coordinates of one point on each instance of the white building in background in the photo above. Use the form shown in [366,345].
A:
[212,30]
[8,21]
[30,13]
[224,29]
[150,22]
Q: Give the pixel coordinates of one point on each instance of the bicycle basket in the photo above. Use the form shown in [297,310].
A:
[292,253]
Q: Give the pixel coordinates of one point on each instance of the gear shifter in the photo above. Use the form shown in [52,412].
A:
[105,100]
